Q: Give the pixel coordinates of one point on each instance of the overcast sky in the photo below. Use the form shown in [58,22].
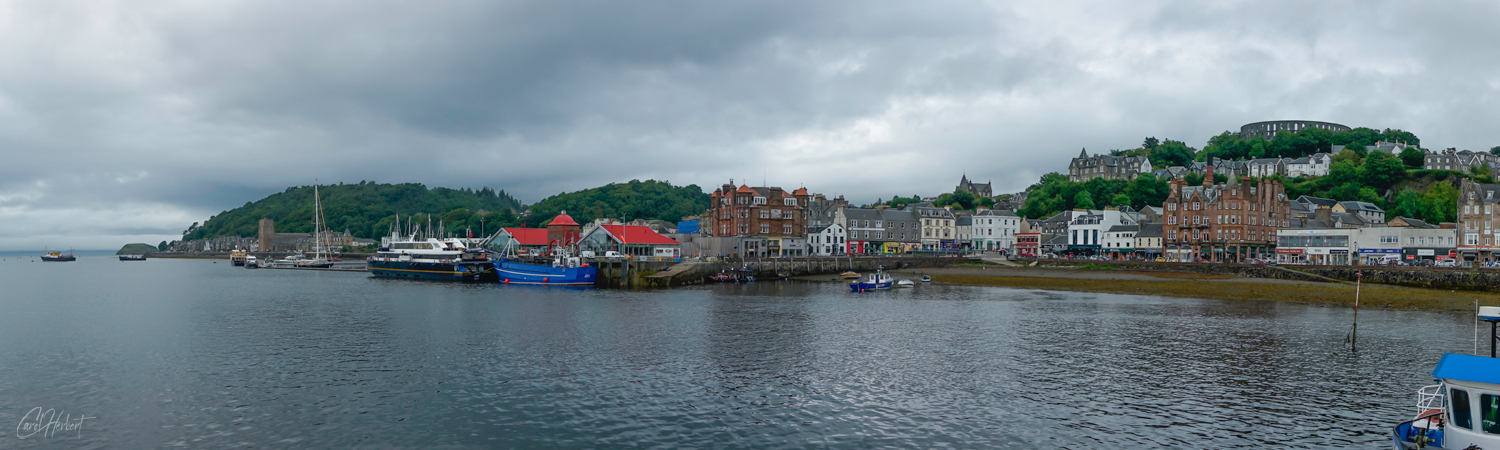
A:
[125,121]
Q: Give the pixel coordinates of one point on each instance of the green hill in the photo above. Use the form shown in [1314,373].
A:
[366,209]
[136,249]
[637,199]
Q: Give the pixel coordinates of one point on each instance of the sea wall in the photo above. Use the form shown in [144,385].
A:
[654,274]
[1468,279]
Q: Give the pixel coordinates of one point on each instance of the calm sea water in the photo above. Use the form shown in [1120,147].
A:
[196,354]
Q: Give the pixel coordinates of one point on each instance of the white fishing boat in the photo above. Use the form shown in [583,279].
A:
[1462,411]
[905,284]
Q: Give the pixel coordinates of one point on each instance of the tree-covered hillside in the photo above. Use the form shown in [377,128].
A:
[366,209]
[637,199]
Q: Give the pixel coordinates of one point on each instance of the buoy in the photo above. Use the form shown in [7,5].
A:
[544,279]
[507,281]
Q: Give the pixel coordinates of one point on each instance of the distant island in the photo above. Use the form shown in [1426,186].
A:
[136,249]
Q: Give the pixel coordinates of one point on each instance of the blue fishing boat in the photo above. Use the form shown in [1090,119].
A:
[877,280]
[563,271]
[1462,411]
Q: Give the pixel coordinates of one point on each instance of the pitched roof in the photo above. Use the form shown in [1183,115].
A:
[1360,206]
[892,215]
[744,189]
[634,234]
[965,220]
[528,236]
[1149,230]
[800,191]
[996,212]
[861,214]
[1123,228]
[1317,201]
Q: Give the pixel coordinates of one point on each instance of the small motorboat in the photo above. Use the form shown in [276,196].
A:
[905,284]
[850,275]
[876,281]
[1454,413]
[926,278]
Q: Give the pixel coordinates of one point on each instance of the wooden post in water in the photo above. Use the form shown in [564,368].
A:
[1354,332]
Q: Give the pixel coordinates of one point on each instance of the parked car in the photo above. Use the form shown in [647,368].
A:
[612,254]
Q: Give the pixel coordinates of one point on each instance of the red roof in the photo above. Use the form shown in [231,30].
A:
[745,190]
[633,234]
[562,219]
[528,236]
[800,191]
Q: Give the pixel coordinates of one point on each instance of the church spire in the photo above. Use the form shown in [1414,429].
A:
[1083,153]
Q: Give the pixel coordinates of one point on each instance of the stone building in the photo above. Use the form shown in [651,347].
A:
[1109,167]
[1478,218]
[1223,222]
[979,190]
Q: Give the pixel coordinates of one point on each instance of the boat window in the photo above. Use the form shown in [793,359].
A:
[1458,404]
[1489,408]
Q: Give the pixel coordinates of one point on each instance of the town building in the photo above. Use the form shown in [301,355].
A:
[900,232]
[767,220]
[827,240]
[1109,167]
[632,240]
[865,229]
[1364,246]
[1029,238]
[1315,165]
[964,225]
[979,190]
[1478,218]
[1223,222]
[271,241]
[1119,242]
[1148,241]
[1315,246]
[1088,228]
[1265,167]
[995,230]
[939,232]
[519,241]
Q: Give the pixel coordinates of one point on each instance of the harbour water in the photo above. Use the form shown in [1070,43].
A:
[193,354]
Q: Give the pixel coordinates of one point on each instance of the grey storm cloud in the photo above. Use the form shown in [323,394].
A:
[125,121]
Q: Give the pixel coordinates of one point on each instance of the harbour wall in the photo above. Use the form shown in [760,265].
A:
[637,274]
[1467,279]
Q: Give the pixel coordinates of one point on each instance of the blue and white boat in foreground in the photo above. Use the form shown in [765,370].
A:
[877,280]
[1463,410]
[563,271]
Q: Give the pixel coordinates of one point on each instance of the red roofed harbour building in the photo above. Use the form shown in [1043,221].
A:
[521,240]
[563,230]
[769,221]
[629,240]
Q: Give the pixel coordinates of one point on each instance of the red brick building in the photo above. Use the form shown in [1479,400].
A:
[760,212]
[1223,222]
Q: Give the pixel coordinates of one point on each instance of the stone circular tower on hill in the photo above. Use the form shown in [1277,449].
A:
[1268,129]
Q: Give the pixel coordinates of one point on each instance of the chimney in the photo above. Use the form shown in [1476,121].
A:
[1208,175]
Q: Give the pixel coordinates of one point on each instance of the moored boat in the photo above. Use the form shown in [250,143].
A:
[237,257]
[926,278]
[251,262]
[431,259]
[1460,412]
[132,257]
[58,257]
[905,284]
[563,271]
[876,281]
[850,275]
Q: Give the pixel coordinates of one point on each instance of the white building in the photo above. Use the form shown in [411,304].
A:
[995,230]
[826,240]
[1316,165]
[1087,228]
[1119,241]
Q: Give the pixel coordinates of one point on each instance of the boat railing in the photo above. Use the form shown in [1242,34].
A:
[1430,398]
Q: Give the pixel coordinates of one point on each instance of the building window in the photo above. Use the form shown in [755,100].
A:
[765,228]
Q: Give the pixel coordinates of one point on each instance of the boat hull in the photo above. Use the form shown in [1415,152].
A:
[132,258]
[59,258]
[410,270]
[238,263]
[861,287]
[514,272]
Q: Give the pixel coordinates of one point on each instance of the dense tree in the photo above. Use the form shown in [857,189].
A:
[636,199]
[1413,158]
[1495,150]
[1150,143]
[366,209]
[162,246]
[1381,170]
[1083,200]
